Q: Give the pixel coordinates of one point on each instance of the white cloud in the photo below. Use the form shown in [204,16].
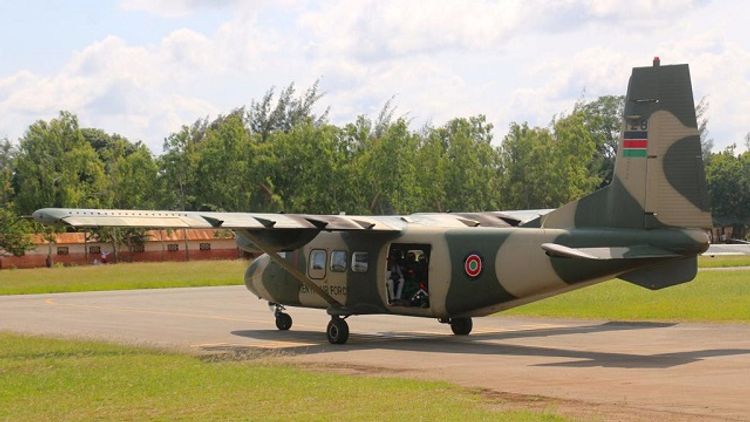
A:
[172,8]
[113,85]
[373,29]
[509,60]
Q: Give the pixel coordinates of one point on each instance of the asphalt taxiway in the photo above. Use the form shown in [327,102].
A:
[622,370]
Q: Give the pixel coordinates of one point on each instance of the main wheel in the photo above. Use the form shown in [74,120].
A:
[337,331]
[283,321]
[461,326]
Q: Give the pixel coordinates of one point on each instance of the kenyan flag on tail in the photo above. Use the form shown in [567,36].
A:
[635,144]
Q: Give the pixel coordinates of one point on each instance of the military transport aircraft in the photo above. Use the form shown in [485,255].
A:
[646,227]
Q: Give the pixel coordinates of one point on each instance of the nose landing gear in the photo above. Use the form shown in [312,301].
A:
[283,320]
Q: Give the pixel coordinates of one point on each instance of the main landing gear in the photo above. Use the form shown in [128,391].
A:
[459,326]
[338,330]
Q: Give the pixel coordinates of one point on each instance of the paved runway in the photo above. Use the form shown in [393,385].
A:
[625,371]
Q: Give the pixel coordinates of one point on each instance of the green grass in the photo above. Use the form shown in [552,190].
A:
[61,380]
[122,276]
[723,261]
[712,296]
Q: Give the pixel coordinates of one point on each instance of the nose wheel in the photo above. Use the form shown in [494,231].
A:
[337,331]
[283,320]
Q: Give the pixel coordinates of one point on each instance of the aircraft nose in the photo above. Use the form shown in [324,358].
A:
[254,274]
[40,216]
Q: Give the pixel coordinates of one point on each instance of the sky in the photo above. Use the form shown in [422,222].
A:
[144,68]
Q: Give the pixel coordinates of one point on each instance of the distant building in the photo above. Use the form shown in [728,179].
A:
[160,245]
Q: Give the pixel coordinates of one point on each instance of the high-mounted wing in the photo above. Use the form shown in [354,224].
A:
[270,233]
[197,219]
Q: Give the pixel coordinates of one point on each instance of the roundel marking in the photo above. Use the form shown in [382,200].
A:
[473,265]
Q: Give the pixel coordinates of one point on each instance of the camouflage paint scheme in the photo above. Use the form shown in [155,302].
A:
[645,227]
[516,270]
[648,199]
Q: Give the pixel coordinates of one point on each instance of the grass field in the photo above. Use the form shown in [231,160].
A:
[723,261]
[712,296]
[62,380]
[122,276]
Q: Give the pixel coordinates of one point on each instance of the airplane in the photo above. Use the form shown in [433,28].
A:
[646,227]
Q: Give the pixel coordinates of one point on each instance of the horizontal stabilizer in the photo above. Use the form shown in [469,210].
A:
[608,253]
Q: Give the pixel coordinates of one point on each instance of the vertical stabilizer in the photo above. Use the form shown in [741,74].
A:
[659,179]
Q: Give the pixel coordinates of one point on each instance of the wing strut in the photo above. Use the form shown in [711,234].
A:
[293,271]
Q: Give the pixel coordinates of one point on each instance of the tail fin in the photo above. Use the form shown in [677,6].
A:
[659,180]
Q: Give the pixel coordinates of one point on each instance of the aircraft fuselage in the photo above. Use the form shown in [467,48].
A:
[470,272]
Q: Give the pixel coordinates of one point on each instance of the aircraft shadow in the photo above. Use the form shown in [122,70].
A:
[477,344]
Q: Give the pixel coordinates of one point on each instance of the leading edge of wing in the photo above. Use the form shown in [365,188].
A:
[77,217]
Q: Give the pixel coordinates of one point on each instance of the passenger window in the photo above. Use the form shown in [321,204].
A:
[317,263]
[359,262]
[338,261]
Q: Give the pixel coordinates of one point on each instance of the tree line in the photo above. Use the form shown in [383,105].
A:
[279,155]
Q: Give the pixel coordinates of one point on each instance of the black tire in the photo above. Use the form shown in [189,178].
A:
[461,326]
[337,331]
[283,321]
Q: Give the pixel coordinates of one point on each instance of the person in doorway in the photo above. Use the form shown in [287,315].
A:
[395,276]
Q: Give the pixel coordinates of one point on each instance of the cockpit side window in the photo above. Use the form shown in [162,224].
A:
[359,262]
[317,268]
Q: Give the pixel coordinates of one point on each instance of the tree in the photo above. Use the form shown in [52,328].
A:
[222,165]
[7,155]
[130,169]
[575,151]
[603,118]
[526,162]
[133,179]
[707,143]
[458,167]
[548,167]
[728,177]
[387,173]
[263,118]
[312,170]
[14,233]
[56,167]
[177,166]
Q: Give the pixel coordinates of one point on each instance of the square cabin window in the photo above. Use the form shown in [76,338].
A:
[338,261]
[173,247]
[359,262]
[96,250]
[63,250]
[205,246]
[317,263]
